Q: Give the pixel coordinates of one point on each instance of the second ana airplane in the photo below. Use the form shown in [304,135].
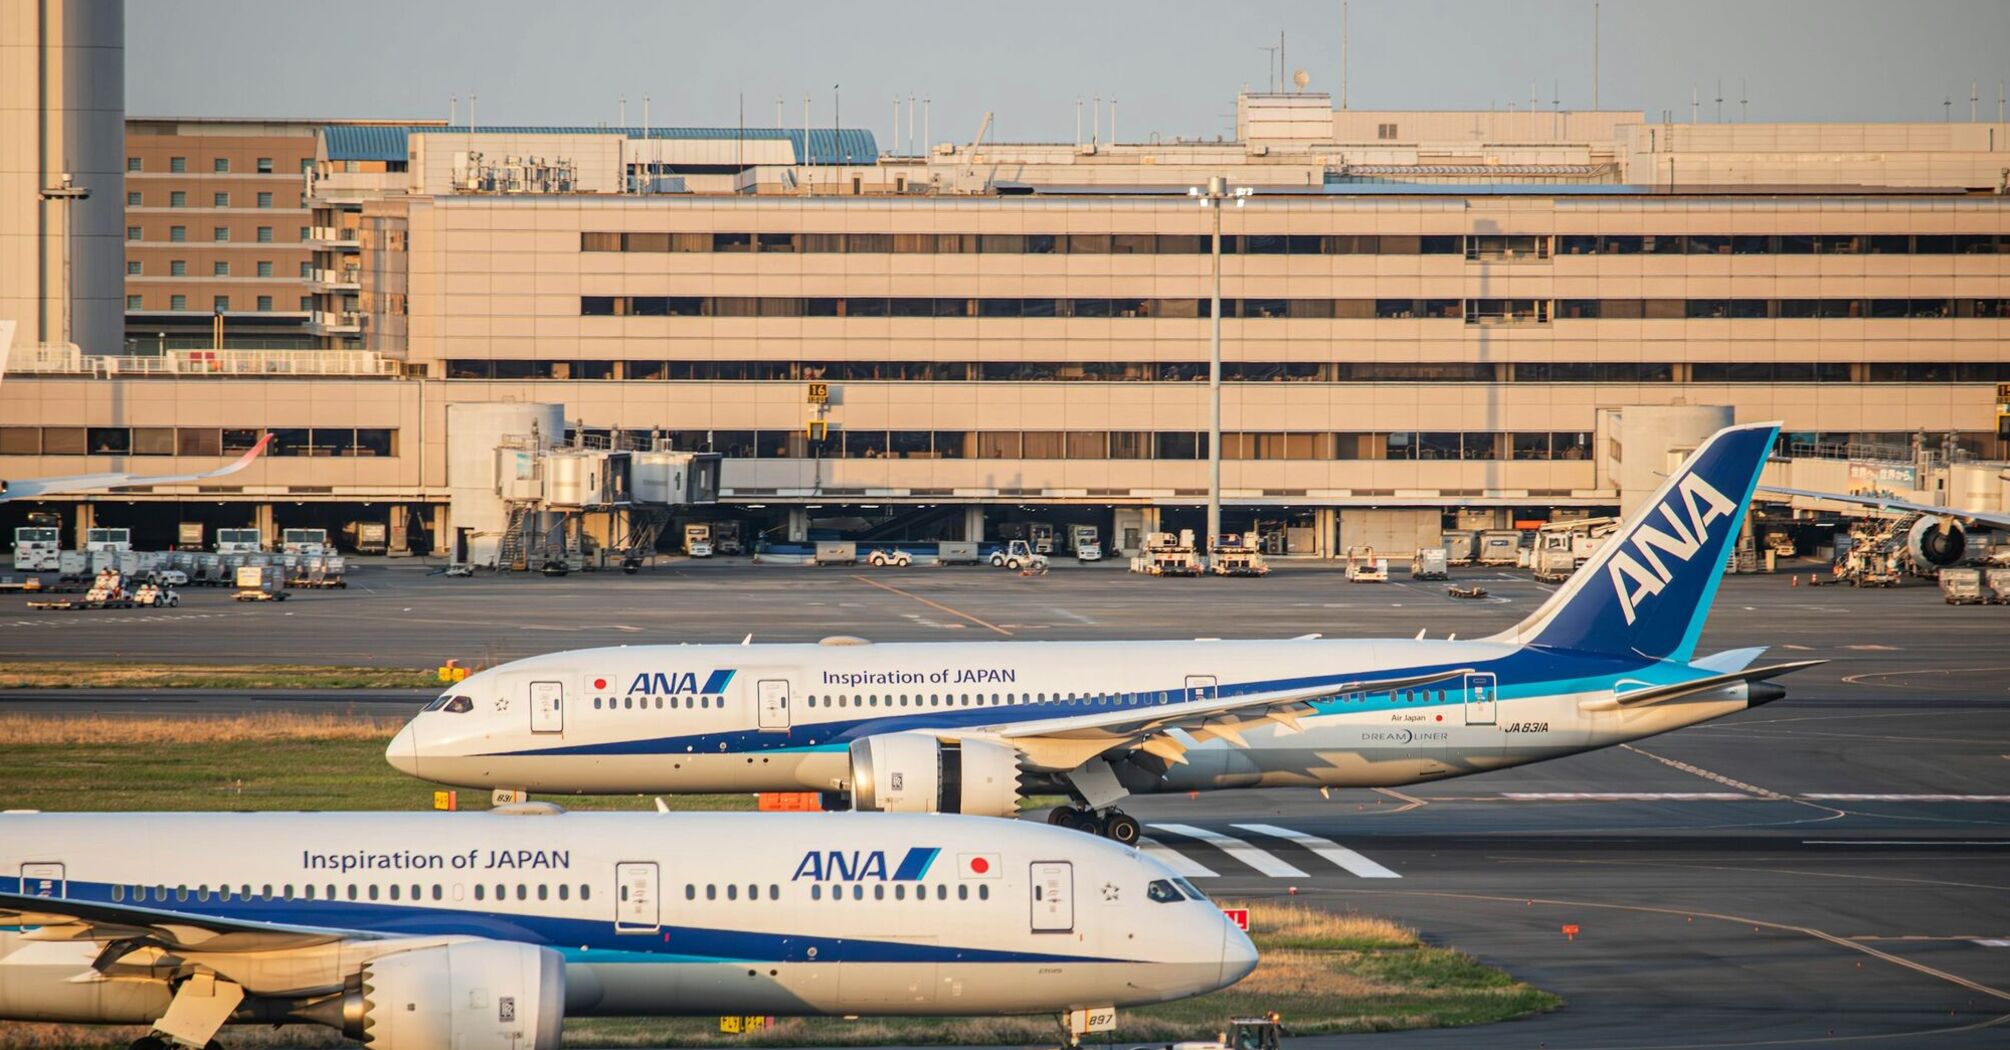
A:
[972,728]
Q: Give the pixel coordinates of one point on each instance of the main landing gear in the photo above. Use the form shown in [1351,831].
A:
[154,1042]
[1113,824]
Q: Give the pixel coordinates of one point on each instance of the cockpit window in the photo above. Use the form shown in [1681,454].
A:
[1193,892]
[1163,891]
[458,705]
[437,703]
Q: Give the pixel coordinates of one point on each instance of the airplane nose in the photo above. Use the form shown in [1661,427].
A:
[403,752]
[1238,953]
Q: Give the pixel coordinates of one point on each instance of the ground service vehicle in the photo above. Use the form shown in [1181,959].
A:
[188,536]
[726,539]
[884,556]
[239,541]
[1430,563]
[1166,554]
[1086,541]
[114,540]
[1962,585]
[616,914]
[38,548]
[1610,657]
[368,537]
[698,539]
[303,541]
[260,583]
[1364,567]
[1499,547]
[837,552]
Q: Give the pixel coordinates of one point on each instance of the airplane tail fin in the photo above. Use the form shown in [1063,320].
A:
[1648,587]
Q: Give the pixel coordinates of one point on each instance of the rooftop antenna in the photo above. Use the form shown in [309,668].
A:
[1534,97]
[1096,122]
[1973,98]
[2000,99]
[1720,100]
[910,126]
[648,144]
[1281,66]
[924,125]
[1744,100]
[1947,109]
[471,112]
[1078,123]
[778,112]
[453,110]
[1594,57]
[1270,66]
[1694,106]
[1343,54]
[623,110]
[1113,122]
[804,158]
[896,126]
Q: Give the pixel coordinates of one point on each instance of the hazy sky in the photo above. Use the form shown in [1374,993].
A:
[1174,66]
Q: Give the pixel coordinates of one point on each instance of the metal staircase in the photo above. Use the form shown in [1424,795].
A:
[512,551]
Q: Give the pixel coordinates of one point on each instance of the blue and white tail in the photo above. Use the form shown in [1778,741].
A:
[1648,587]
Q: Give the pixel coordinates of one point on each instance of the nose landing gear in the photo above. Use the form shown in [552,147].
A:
[1113,824]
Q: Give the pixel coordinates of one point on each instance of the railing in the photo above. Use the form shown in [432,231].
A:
[347,275]
[49,360]
[1850,450]
[332,235]
[336,321]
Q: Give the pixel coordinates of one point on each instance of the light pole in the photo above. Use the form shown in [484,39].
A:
[1212,198]
[66,191]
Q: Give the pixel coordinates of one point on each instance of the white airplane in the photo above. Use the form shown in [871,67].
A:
[1939,538]
[33,488]
[971,728]
[442,931]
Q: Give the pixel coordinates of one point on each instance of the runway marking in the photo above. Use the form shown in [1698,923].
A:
[934,605]
[1262,860]
[1707,775]
[1180,863]
[1905,842]
[1830,797]
[1410,802]
[1340,855]
[1993,942]
[1629,796]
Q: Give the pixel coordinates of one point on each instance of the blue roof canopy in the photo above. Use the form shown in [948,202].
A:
[388,143]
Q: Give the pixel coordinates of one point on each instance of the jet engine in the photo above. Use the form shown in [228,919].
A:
[468,995]
[1936,542]
[917,773]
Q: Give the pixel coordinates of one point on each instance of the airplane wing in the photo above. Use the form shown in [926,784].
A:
[126,927]
[1060,744]
[33,487]
[2001,521]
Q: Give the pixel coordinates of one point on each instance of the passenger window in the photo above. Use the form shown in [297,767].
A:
[690,892]
[774,892]
[984,893]
[816,892]
[459,705]
[436,891]
[942,891]
[1163,892]
[585,892]
[900,893]
[522,892]
[352,891]
[962,893]
[564,891]
[732,892]
[479,890]
[542,890]
[394,891]
[711,892]
[373,891]
[118,894]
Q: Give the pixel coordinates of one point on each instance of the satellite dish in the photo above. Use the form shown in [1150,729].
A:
[1301,79]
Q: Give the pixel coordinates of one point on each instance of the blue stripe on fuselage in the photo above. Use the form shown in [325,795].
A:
[582,939]
[1529,671]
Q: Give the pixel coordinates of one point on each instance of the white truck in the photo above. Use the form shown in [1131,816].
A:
[1364,567]
[239,541]
[38,548]
[116,541]
[1430,563]
[1562,547]
[1086,541]
[303,541]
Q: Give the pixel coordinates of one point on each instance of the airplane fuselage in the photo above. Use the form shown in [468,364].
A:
[707,718]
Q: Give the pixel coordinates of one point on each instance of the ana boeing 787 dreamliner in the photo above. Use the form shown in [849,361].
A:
[971,728]
[445,931]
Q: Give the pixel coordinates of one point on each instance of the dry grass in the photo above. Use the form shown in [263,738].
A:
[1302,927]
[59,674]
[221,729]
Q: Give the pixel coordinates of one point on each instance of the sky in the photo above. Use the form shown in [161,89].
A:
[1172,66]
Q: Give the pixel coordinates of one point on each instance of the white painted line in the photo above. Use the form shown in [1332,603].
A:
[1907,798]
[1180,863]
[1327,848]
[1628,796]
[1994,942]
[1905,842]
[1261,860]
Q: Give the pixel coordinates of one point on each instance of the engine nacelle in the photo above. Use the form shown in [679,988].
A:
[1933,543]
[472,995]
[916,773]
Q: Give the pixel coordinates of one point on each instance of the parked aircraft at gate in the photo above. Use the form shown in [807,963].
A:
[970,728]
[430,931]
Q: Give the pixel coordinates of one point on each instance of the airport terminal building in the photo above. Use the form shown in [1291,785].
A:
[1429,319]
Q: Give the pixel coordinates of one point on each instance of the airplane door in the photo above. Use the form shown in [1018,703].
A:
[43,880]
[1201,687]
[1053,896]
[547,707]
[774,705]
[635,898]
[1480,699]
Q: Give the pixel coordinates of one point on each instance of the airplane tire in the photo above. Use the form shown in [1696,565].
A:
[1122,828]
[1069,817]
[150,1042]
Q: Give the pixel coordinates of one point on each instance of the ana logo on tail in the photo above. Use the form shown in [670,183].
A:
[1703,504]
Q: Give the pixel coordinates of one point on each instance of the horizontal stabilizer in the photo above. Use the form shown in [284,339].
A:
[1658,694]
